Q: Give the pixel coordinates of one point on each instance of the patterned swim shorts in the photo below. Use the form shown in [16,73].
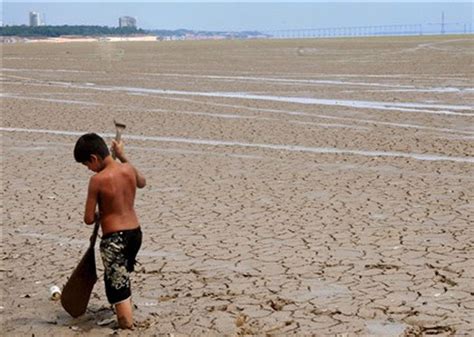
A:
[118,251]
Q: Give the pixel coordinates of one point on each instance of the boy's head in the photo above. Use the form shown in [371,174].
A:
[90,146]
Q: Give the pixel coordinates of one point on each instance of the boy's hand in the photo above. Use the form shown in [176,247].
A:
[118,148]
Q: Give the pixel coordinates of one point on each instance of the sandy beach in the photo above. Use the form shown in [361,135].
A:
[295,187]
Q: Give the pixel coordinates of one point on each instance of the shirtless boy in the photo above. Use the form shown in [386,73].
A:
[113,189]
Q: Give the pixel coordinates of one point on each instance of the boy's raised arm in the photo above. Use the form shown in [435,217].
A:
[118,148]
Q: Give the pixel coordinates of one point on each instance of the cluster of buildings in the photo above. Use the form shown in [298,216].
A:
[36,19]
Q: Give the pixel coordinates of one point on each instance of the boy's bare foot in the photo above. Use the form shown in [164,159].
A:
[125,323]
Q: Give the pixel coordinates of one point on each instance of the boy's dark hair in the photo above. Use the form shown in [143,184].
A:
[89,144]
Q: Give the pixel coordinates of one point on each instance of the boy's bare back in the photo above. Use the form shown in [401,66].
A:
[116,188]
[113,188]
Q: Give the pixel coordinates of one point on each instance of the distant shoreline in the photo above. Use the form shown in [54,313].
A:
[154,38]
[64,39]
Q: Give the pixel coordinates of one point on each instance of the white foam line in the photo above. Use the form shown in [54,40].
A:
[331,125]
[285,80]
[398,87]
[412,107]
[225,116]
[52,145]
[278,147]
[299,75]
[207,153]
[49,70]
[448,90]
[27,148]
[53,100]
[420,127]
[396,76]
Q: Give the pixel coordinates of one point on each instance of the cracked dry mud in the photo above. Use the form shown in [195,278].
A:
[250,225]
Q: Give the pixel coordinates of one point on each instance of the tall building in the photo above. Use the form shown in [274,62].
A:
[35,19]
[127,21]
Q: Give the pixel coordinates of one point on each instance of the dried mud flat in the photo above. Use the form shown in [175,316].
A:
[309,187]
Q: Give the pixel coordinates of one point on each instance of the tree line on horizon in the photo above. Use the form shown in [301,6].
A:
[56,31]
[85,30]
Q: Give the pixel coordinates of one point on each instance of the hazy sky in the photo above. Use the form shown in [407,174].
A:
[239,15]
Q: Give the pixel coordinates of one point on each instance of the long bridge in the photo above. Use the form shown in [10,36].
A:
[381,30]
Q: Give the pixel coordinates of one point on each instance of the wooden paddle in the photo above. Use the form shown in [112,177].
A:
[77,291]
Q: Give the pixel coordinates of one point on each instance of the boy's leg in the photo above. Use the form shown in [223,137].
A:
[124,314]
[118,259]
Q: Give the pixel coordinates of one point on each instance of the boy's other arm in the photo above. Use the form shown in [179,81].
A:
[91,202]
[141,181]
[120,153]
